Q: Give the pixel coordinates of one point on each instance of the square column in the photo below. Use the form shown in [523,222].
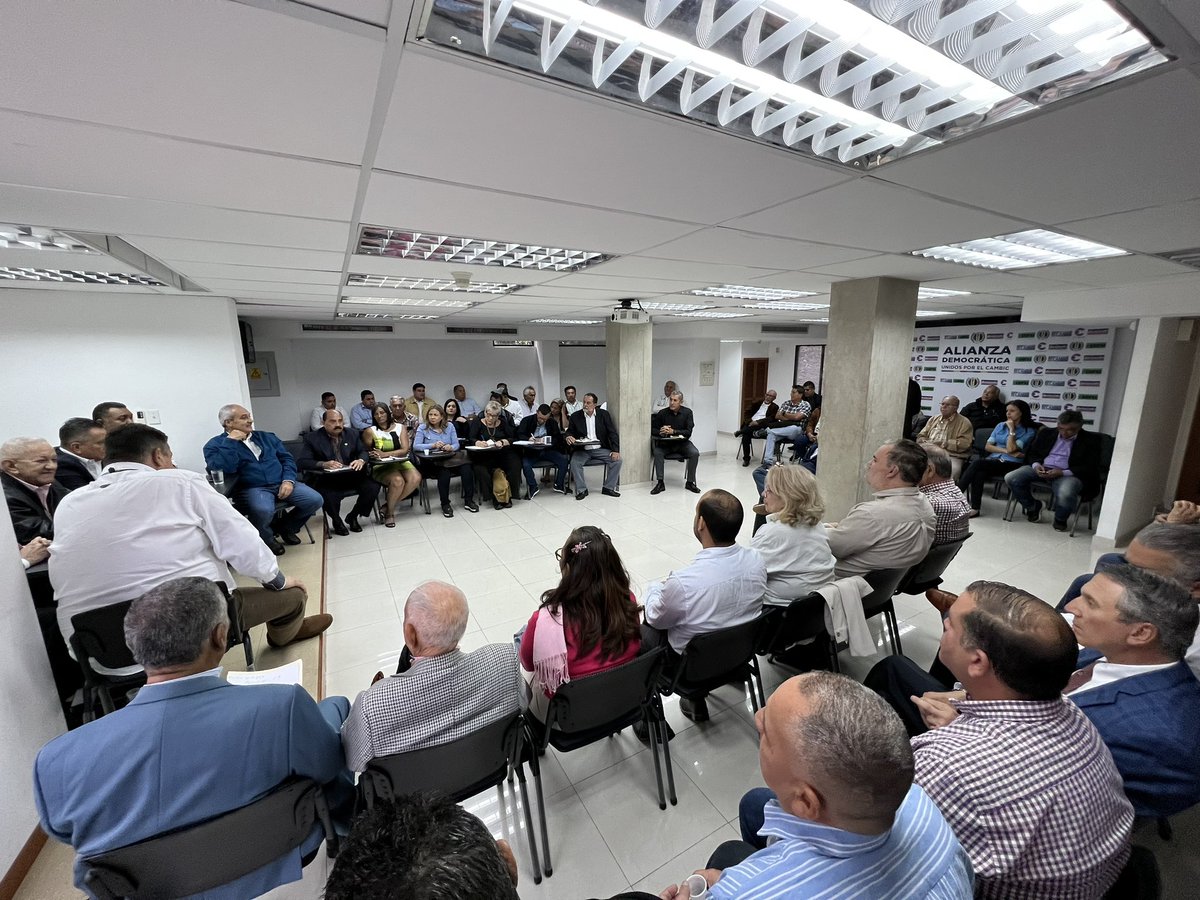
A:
[866,382]
[629,393]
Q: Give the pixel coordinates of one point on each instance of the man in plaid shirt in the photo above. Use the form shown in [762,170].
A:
[796,411]
[1019,772]
[948,502]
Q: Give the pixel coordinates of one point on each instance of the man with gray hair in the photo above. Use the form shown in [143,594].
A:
[949,504]
[445,694]
[27,470]
[894,530]
[189,746]
[528,404]
[840,809]
[266,472]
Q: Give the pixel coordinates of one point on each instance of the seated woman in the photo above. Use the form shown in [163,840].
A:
[558,412]
[436,434]
[792,541]
[1006,451]
[387,441]
[495,431]
[455,417]
[587,624]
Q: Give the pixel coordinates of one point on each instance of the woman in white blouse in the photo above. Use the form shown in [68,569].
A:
[793,542]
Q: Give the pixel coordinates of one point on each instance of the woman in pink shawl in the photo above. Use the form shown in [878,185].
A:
[587,624]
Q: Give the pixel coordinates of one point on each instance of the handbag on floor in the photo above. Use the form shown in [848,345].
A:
[500,486]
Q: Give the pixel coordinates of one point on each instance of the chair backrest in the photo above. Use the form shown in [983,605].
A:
[928,572]
[458,769]
[1108,444]
[883,583]
[204,856]
[979,445]
[708,657]
[801,619]
[293,447]
[605,696]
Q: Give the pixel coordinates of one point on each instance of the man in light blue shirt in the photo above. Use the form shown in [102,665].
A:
[362,415]
[841,816]
[467,407]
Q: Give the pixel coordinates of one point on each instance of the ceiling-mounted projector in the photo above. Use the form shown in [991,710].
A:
[628,314]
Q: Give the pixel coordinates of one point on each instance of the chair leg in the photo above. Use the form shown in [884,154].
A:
[762,697]
[533,853]
[895,631]
[106,700]
[652,727]
[309,533]
[834,663]
[248,648]
[666,746]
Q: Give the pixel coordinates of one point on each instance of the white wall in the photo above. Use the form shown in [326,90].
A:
[584,367]
[29,711]
[66,351]
[679,360]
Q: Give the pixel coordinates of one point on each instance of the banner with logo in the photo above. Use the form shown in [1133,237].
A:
[1051,367]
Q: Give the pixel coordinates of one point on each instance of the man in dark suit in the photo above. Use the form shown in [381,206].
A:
[1135,687]
[759,414]
[27,469]
[1067,460]
[80,452]
[672,429]
[592,434]
[542,428]
[336,459]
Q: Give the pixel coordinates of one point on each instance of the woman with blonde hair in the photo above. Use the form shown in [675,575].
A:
[793,542]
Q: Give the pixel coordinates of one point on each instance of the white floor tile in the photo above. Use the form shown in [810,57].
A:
[461,562]
[362,610]
[367,644]
[721,757]
[687,862]
[407,574]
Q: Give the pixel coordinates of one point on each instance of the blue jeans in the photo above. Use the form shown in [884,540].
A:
[1064,490]
[556,459]
[750,815]
[760,478]
[794,433]
[258,505]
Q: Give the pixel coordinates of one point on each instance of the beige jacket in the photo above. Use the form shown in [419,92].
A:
[955,434]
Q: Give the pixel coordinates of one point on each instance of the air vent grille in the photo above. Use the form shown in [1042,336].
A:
[785,329]
[1183,257]
[459,329]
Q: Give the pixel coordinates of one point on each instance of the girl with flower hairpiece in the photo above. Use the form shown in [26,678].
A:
[586,624]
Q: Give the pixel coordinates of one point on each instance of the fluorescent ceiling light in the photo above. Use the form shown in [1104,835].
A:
[565,321]
[70,277]
[710,315]
[856,82]
[926,313]
[363,315]
[784,304]
[30,237]
[675,306]
[749,292]
[396,243]
[1021,250]
[927,293]
[405,301]
[356,279]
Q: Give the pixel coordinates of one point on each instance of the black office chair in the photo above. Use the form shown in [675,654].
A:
[1140,879]
[212,853]
[928,572]
[801,620]
[597,706]
[884,583]
[719,657]
[462,769]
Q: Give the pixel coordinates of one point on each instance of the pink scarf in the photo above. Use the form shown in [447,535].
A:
[550,650]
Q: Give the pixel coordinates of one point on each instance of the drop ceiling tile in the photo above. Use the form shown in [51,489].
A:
[1155,229]
[981,280]
[634,286]
[174,251]
[893,265]
[649,267]
[748,249]
[201,271]
[233,286]
[1118,270]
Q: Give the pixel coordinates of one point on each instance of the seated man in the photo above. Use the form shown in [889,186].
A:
[466,406]
[417,404]
[667,426]
[265,472]
[987,411]
[757,415]
[1067,459]
[594,427]
[27,469]
[1019,772]
[722,586]
[80,452]
[338,461]
[189,746]
[542,428]
[665,400]
[895,529]
[950,431]
[840,806]
[949,505]
[112,415]
[792,419]
[160,523]
[362,415]
[570,404]
[446,693]
[528,404]
[400,413]
[328,401]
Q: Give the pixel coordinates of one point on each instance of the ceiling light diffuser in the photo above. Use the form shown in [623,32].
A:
[565,321]
[364,315]
[357,279]
[71,277]
[675,306]
[710,315]
[406,301]
[784,304]
[1021,250]
[927,293]
[926,313]
[858,82]
[375,240]
[30,237]
[750,292]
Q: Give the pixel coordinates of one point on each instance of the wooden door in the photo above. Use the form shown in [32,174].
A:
[754,383]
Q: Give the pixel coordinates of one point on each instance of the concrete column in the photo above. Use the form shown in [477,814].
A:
[866,382]
[629,393]
[548,369]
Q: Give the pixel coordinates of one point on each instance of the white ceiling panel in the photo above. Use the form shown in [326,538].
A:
[180,251]
[636,286]
[876,216]
[585,149]
[582,295]
[80,157]
[1156,229]
[234,287]
[198,271]
[892,265]
[374,12]
[648,267]
[420,268]
[1118,270]
[213,71]
[1011,285]
[799,281]
[313,300]
[765,251]
[1116,150]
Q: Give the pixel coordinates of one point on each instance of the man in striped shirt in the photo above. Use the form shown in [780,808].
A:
[841,816]
[1019,772]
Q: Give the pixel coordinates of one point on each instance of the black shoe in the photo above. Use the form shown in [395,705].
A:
[560,489]
[534,490]
[339,527]
[352,523]
[610,493]
[581,495]
[691,486]
[696,710]
[471,506]
[277,548]
[496,504]
[658,488]
[508,504]
[745,462]
[1034,512]
[290,539]
[642,733]
[1060,526]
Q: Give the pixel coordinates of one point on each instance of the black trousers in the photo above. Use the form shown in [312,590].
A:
[972,480]
[336,486]
[443,474]
[896,679]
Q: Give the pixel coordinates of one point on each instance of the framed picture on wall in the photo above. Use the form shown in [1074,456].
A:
[708,374]
[261,375]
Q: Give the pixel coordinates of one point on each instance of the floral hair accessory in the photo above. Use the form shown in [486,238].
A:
[580,547]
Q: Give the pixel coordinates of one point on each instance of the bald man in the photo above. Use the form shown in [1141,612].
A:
[952,432]
[444,695]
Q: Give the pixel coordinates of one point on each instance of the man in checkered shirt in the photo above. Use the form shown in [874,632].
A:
[1019,772]
[796,411]
[949,505]
[446,694]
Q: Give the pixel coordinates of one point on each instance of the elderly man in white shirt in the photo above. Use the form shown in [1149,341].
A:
[896,529]
[144,522]
[723,586]
[665,400]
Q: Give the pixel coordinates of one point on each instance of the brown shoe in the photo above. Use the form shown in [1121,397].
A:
[941,600]
[309,628]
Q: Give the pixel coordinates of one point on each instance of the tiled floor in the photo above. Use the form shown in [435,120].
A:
[606,831]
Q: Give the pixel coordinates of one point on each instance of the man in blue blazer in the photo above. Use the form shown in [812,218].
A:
[1134,686]
[189,746]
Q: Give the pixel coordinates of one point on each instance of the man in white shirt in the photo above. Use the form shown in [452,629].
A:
[723,586]
[80,452]
[328,401]
[144,522]
[570,404]
[528,404]
[665,400]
